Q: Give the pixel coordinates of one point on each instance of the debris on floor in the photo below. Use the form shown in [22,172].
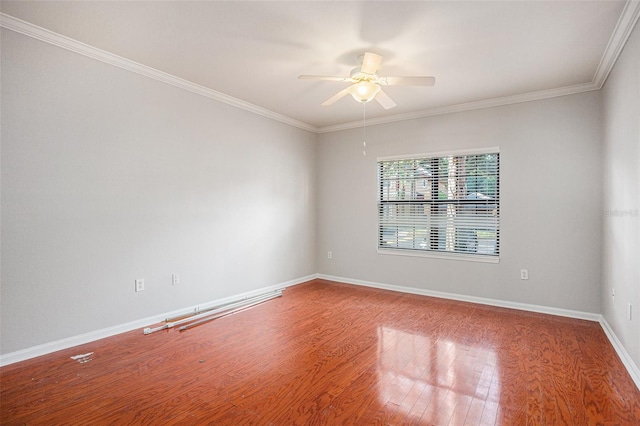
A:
[82,358]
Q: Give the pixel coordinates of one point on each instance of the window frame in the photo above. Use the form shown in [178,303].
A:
[431,253]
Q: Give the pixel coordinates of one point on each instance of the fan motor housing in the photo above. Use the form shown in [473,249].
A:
[358,75]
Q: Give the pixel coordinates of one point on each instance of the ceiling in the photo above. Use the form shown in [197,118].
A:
[251,53]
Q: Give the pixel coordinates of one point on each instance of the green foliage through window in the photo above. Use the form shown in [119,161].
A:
[444,204]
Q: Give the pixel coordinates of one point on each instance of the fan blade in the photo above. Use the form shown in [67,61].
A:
[370,63]
[384,100]
[407,81]
[325,77]
[335,97]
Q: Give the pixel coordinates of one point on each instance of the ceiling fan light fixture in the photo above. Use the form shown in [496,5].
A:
[364,91]
[367,84]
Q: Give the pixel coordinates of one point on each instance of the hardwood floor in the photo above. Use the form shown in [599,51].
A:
[335,354]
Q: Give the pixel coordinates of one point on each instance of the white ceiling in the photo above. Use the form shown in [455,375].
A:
[254,51]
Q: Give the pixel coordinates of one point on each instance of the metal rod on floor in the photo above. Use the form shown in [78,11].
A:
[212,308]
[212,311]
[229,312]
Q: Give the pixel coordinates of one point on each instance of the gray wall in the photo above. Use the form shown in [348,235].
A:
[621,233]
[108,176]
[550,202]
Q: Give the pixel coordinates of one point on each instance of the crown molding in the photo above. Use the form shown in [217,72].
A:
[469,106]
[621,33]
[42,34]
[626,23]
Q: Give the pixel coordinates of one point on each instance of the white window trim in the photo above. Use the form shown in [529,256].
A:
[441,255]
[476,151]
[438,254]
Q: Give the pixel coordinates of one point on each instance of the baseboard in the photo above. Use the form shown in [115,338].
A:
[631,366]
[628,363]
[473,299]
[47,348]
[69,342]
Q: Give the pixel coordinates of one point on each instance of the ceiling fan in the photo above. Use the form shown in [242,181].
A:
[367,84]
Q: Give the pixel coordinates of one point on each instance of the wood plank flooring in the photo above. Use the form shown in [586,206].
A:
[334,354]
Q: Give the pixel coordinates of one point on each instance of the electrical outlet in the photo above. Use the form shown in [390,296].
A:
[329,255]
[139,285]
[613,293]
[175,280]
[524,274]
[629,311]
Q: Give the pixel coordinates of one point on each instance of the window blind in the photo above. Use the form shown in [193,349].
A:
[444,203]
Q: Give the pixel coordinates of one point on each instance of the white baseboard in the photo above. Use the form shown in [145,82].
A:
[47,348]
[631,367]
[473,299]
[69,342]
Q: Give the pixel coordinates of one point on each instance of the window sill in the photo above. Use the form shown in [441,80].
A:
[439,255]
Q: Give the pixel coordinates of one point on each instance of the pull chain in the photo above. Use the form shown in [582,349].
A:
[364,129]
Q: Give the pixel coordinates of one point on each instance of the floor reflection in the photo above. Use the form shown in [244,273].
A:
[425,376]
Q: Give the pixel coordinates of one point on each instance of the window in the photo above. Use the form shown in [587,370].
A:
[447,203]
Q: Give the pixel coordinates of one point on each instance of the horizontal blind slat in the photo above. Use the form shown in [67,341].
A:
[440,203]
